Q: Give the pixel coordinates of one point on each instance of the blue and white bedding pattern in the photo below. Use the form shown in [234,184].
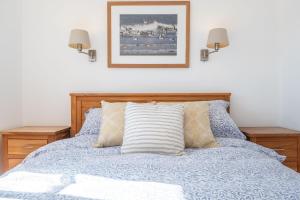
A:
[73,169]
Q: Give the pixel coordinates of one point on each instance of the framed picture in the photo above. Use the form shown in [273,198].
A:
[148,34]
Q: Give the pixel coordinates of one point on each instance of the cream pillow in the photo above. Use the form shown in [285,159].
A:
[112,124]
[197,131]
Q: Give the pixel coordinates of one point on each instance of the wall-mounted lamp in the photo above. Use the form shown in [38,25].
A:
[217,39]
[79,39]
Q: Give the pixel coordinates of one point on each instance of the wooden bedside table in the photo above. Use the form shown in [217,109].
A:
[284,141]
[19,142]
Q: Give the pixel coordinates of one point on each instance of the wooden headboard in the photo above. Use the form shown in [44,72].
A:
[81,102]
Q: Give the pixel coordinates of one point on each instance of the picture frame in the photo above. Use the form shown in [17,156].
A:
[148,34]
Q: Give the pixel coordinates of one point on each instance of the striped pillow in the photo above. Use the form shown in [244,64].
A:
[153,129]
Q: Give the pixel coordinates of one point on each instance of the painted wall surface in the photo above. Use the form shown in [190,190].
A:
[290,64]
[10,64]
[260,68]
[247,68]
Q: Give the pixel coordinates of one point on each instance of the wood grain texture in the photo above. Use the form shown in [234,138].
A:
[37,130]
[284,141]
[4,153]
[24,146]
[13,162]
[269,131]
[110,4]
[284,146]
[298,150]
[292,165]
[81,102]
[18,143]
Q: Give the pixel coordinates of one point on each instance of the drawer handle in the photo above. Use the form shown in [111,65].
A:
[28,147]
[279,149]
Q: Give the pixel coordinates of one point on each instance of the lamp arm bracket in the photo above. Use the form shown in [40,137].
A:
[215,51]
[84,53]
[80,51]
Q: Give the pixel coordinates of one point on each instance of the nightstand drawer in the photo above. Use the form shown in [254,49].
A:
[292,165]
[23,147]
[284,141]
[17,143]
[62,136]
[13,162]
[284,146]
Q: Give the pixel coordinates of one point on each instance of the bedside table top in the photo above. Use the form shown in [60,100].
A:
[268,131]
[37,130]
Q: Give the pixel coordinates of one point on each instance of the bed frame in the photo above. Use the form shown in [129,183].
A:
[81,102]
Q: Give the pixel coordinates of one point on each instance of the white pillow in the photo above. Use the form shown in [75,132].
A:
[153,129]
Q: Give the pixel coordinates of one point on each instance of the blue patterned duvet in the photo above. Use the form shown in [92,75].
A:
[72,169]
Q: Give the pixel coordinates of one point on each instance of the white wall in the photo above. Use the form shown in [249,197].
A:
[290,64]
[253,68]
[10,64]
[261,67]
[247,68]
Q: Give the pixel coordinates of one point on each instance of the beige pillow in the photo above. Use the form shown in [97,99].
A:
[197,131]
[112,124]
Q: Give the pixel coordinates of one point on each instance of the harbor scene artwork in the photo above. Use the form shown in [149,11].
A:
[148,34]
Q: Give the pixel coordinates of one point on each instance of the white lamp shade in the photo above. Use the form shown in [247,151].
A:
[79,39]
[218,35]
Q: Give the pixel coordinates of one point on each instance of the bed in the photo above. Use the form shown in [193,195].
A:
[73,169]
